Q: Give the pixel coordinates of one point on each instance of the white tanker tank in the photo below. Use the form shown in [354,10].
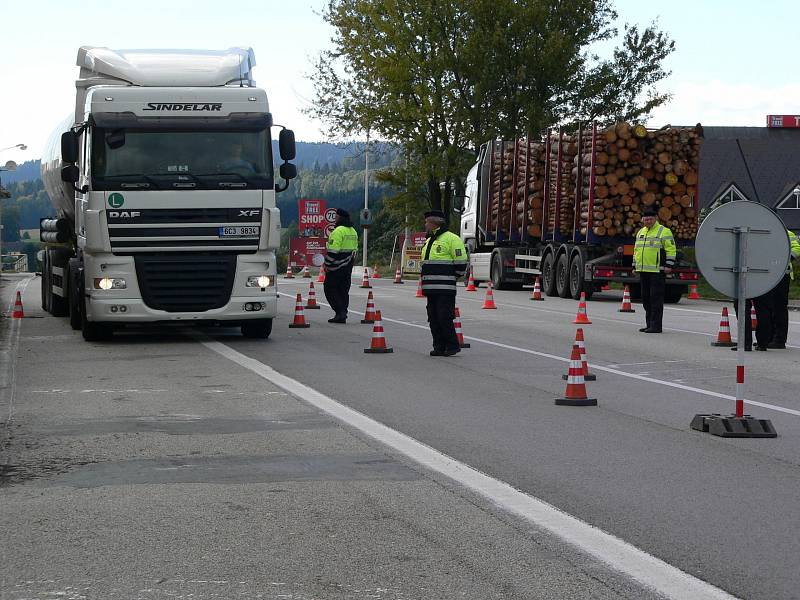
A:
[62,194]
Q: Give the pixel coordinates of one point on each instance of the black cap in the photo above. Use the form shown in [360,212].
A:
[649,212]
[435,213]
[342,213]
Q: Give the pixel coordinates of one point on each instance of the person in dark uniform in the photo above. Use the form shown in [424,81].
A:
[341,247]
[780,299]
[444,260]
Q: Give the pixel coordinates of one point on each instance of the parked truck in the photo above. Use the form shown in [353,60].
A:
[164,190]
[567,207]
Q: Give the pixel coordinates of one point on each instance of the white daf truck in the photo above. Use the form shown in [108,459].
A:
[164,191]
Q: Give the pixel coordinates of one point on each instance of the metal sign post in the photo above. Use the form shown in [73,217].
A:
[742,250]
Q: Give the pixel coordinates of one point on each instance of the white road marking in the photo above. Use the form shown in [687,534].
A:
[607,369]
[618,554]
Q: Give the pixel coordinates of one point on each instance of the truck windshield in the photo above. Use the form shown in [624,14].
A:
[163,159]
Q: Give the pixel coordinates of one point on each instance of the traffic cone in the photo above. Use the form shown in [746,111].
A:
[626,301]
[579,342]
[369,314]
[321,278]
[489,300]
[289,274]
[299,316]
[398,276]
[306,272]
[753,317]
[312,296]
[581,318]
[365,279]
[575,394]
[459,332]
[375,274]
[537,290]
[378,343]
[18,312]
[419,293]
[471,284]
[724,335]
[693,295]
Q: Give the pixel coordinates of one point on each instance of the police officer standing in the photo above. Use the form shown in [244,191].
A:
[779,299]
[444,260]
[342,245]
[653,257]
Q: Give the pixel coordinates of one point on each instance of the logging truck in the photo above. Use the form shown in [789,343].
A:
[567,207]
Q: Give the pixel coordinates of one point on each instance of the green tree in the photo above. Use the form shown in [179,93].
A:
[439,77]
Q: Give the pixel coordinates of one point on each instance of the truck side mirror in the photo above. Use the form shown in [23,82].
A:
[288,171]
[458,204]
[70,173]
[286,144]
[69,147]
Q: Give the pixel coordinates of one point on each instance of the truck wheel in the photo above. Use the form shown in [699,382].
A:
[673,293]
[95,332]
[73,295]
[45,283]
[58,258]
[562,276]
[549,274]
[576,283]
[260,329]
[496,273]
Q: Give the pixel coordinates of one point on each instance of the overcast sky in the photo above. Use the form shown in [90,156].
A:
[735,61]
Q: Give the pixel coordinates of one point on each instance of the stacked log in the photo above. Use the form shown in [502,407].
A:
[562,181]
[526,167]
[637,169]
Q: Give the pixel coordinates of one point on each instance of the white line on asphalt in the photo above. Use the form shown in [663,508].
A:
[611,550]
[607,369]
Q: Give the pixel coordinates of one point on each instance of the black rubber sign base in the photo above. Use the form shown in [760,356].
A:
[733,426]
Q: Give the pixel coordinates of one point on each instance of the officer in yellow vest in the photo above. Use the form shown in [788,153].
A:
[653,257]
[444,260]
[341,247]
[779,299]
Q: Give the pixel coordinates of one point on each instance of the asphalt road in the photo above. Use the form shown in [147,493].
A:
[154,464]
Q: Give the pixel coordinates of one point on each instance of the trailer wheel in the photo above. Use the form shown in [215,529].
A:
[496,273]
[562,276]
[260,329]
[673,293]
[73,297]
[576,277]
[549,274]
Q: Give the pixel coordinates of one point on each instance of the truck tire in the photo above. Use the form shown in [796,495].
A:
[260,329]
[58,258]
[549,274]
[496,273]
[91,331]
[576,283]
[45,284]
[562,276]
[73,296]
[673,293]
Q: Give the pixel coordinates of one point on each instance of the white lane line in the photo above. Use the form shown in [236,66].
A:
[607,369]
[652,362]
[616,553]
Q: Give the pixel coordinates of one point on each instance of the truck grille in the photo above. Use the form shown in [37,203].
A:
[186,282]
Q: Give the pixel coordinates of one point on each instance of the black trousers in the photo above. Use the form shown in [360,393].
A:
[337,290]
[441,311]
[653,298]
[748,324]
[780,311]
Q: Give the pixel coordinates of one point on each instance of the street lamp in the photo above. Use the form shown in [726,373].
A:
[20,146]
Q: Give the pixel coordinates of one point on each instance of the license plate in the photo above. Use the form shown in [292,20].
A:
[240,231]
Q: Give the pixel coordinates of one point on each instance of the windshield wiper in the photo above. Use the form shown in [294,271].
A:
[132,175]
[239,175]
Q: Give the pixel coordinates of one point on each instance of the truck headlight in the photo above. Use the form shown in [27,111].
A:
[259,281]
[110,283]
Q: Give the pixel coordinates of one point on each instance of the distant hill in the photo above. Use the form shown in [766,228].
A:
[27,171]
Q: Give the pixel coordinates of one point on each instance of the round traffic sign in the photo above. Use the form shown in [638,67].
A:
[330,215]
[767,248]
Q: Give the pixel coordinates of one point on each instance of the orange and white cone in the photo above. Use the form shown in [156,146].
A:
[537,290]
[488,301]
[299,316]
[321,278]
[575,394]
[398,276]
[312,297]
[581,344]
[375,274]
[370,314]
[693,295]
[378,343]
[306,272]
[289,274]
[753,317]
[581,318]
[471,287]
[365,279]
[459,332]
[626,301]
[724,335]
[18,312]
[419,293]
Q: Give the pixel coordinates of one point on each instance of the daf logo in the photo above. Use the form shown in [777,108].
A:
[124,214]
[249,213]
